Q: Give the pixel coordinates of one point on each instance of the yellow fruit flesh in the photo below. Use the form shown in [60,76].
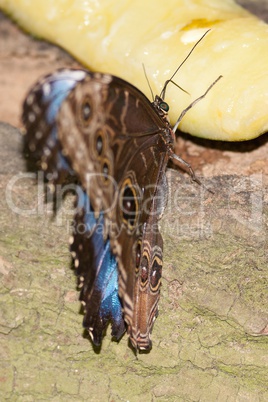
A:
[118,36]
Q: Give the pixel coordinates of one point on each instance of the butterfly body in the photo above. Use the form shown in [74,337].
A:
[106,133]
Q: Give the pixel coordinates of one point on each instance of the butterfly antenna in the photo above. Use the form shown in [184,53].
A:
[163,92]
[194,103]
[178,86]
[148,82]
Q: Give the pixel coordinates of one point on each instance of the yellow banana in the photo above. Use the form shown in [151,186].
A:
[118,36]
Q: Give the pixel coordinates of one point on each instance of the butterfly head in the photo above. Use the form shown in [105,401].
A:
[161,107]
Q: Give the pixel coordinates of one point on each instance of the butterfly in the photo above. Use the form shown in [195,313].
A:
[105,133]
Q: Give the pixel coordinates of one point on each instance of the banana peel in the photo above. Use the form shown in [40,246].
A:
[118,37]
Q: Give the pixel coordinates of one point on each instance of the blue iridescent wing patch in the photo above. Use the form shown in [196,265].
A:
[40,111]
[97,272]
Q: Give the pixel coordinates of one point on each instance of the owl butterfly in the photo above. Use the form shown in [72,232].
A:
[106,133]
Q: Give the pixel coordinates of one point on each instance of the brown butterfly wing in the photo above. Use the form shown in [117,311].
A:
[117,145]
